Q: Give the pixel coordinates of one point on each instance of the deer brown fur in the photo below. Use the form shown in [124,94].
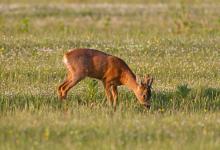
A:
[111,70]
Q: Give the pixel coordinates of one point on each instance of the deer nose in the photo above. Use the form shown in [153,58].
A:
[147,106]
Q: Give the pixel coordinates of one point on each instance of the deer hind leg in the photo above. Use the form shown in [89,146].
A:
[59,91]
[74,79]
[114,92]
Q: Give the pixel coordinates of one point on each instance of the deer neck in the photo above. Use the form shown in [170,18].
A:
[130,81]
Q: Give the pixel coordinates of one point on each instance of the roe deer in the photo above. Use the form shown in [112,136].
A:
[111,70]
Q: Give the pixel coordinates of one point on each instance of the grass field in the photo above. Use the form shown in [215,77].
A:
[176,42]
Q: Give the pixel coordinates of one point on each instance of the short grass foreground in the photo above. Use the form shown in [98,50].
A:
[177,43]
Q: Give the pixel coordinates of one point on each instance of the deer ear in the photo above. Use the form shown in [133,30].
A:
[138,80]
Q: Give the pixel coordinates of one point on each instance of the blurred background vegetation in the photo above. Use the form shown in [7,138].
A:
[177,42]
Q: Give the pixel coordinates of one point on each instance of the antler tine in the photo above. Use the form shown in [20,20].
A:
[151,81]
[146,78]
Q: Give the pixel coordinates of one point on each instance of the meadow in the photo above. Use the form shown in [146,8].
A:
[176,42]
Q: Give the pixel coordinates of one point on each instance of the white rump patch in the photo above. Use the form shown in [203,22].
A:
[65,60]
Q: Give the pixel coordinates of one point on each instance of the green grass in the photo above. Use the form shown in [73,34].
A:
[177,43]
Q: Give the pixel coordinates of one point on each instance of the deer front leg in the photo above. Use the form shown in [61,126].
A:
[108,93]
[114,92]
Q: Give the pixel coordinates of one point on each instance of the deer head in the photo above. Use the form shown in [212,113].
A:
[143,92]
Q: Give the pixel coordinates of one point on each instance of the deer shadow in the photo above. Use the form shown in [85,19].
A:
[186,98]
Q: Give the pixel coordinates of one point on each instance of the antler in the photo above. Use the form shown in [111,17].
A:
[148,80]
